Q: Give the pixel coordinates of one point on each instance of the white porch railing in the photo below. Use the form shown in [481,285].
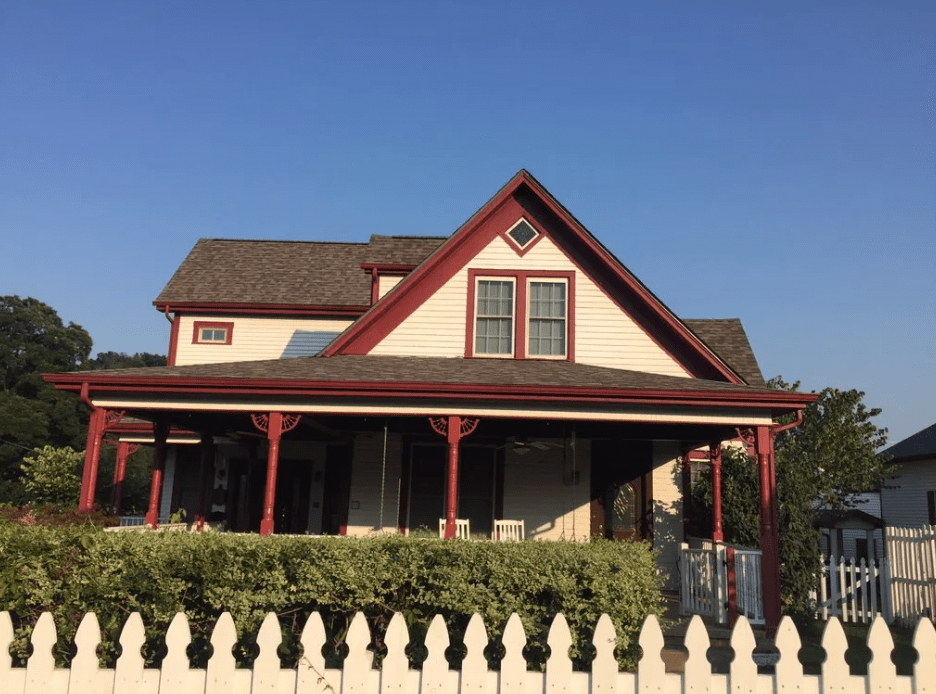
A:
[711,573]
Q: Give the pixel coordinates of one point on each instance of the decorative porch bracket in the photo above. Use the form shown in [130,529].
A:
[454,428]
[275,425]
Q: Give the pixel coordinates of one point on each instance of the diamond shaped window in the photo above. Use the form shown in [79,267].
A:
[522,234]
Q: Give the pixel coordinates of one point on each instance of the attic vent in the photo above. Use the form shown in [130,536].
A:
[522,233]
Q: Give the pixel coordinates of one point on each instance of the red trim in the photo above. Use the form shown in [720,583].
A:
[374,286]
[523,278]
[497,215]
[389,268]
[263,309]
[200,324]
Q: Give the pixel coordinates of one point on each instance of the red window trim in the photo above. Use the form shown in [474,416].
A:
[522,278]
[199,324]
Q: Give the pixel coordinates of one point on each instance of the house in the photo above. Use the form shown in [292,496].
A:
[513,370]
[909,497]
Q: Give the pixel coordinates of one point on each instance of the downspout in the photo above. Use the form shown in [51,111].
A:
[777,428]
[173,337]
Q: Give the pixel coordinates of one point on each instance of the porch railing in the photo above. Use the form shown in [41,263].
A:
[711,574]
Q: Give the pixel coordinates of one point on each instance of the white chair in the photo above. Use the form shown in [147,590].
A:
[508,531]
[462,528]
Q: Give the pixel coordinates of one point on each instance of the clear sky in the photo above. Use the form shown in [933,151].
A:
[770,161]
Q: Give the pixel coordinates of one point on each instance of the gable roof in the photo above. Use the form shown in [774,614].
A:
[921,445]
[524,196]
[300,273]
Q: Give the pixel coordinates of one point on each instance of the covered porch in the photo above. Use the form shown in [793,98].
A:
[356,445]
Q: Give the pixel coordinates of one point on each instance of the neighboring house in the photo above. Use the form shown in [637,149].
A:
[909,496]
[854,532]
[513,370]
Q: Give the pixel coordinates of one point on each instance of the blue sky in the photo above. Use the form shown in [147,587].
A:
[774,162]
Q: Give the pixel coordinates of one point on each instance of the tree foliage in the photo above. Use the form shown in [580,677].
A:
[52,476]
[824,462]
[33,341]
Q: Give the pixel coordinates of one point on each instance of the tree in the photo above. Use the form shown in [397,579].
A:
[825,461]
[122,360]
[33,341]
[52,476]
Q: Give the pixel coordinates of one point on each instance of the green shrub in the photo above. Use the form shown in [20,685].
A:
[71,571]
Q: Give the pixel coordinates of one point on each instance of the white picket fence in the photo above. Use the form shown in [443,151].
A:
[359,676]
[854,591]
[912,556]
[750,597]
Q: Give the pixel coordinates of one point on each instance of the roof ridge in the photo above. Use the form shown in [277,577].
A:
[318,243]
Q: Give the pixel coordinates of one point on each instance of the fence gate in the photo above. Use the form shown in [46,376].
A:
[750,598]
[854,591]
[706,570]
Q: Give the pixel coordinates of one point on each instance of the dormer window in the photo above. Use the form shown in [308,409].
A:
[520,314]
[213,333]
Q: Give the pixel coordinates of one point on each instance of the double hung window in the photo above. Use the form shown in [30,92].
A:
[520,314]
[494,326]
[547,319]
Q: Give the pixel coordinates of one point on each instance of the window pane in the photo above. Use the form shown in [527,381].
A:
[547,318]
[494,317]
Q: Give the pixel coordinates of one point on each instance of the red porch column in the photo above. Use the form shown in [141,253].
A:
[274,434]
[454,428]
[770,536]
[92,459]
[275,425]
[206,472]
[715,457]
[160,434]
[124,450]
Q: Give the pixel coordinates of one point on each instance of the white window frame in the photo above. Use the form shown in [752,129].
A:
[513,318]
[528,317]
[203,341]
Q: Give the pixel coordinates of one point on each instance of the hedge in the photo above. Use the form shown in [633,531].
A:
[71,571]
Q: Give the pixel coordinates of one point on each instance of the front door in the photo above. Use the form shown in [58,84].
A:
[621,501]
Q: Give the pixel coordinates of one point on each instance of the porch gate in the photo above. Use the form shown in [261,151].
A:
[705,577]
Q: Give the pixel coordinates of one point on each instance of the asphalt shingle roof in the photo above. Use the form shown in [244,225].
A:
[383,369]
[726,337]
[288,272]
[921,444]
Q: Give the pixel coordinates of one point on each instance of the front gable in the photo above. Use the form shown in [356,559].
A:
[519,239]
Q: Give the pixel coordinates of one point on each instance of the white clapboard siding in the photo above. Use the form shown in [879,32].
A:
[387,282]
[369,476]
[549,493]
[903,498]
[254,337]
[667,510]
[360,676]
[604,334]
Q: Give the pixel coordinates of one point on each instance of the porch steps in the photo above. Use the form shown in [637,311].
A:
[720,653]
